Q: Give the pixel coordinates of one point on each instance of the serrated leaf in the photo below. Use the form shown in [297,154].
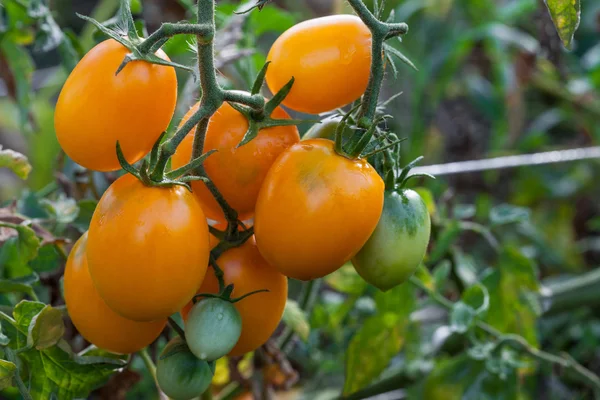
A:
[346,280]
[16,162]
[566,15]
[295,318]
[45,329]
[17,251]
[7,371]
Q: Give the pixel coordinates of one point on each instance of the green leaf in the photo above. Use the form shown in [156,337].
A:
[478,298]
[346,280]
[295,318]
[423,274]
[271,20]
[464,265]
[508,214]
[45,329]
[379,339]
[64,209]
[21,69]
[4,340]
[16,162]
[22,285]
[441,272]
[566,15]
[461,317]
[17,251]
[7,371]
[510,308]
[54,370]
[444,241]
[86,211]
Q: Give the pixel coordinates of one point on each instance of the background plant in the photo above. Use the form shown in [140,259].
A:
[494,84]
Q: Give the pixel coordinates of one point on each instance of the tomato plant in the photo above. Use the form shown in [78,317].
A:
[131,232]
[97,107]
[316,209]
[247,271]
[167,234]
[238,172]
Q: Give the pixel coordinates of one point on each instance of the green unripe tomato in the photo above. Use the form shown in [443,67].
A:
[212,329]
[180,374]
[399,242]
[324,130]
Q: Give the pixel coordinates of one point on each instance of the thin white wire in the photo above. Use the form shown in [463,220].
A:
[548,157]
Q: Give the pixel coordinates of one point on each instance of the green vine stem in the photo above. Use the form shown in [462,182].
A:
[517,342]
[380,32]
[149,365]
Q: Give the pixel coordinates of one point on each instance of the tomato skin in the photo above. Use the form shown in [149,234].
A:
[212,329]
[248,271]
[238,173]
[330,59]
[181,375]
[316,209]
[91,316]
[96,108]
[325,130]
[398,244]
[141,258]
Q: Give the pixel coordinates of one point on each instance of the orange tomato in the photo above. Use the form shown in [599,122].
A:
[245,268]
[93,318]
[316,209]
[96,107]
[330,59]
[237,172]
[148,248]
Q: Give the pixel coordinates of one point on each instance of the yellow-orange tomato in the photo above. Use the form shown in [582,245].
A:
[148,248]
[237,172]
[245,268]
[91,316]
[330,59]
[316,209]
[96,107]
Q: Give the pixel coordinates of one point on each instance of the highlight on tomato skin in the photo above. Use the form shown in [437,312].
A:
[316,209]
[329,59]
[94,320]
[238,172]
[140,253]
[97,108]
[261,313]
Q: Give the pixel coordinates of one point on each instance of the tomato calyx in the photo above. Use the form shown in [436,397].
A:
[226,293]
[405,177]
[176,177]
[259,119]
[139,48]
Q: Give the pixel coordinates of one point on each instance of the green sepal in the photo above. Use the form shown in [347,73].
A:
[279,97]
[260,79]
[107,31]
[407,169]
[125,164]
[393,51]
[189,167]
[126,18]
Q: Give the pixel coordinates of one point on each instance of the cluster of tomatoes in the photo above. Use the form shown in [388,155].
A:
[147,250]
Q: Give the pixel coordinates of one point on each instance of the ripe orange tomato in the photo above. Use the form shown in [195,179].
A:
[148,248]
[91,316]
[330,59]
[316,209]
[237,172]
[96,107]
[245,268]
